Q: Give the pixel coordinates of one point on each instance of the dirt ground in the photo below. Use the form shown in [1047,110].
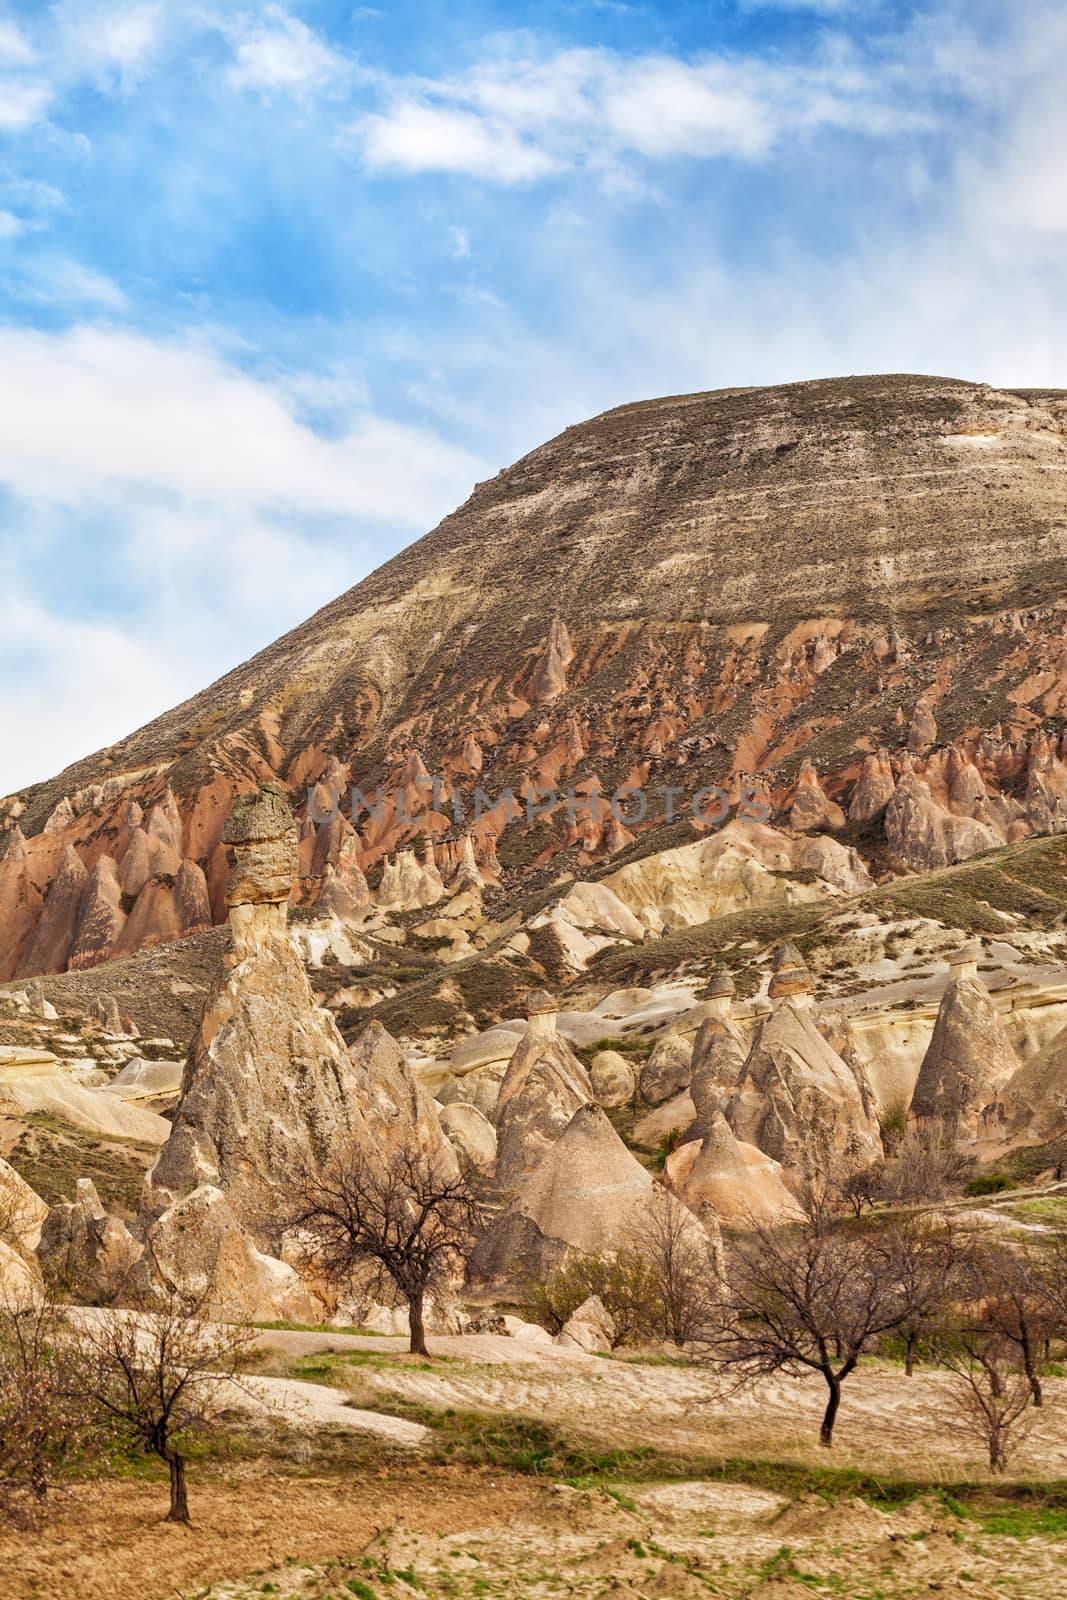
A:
[681,1541]
[107,1541]
[887,1421]
[396,1522]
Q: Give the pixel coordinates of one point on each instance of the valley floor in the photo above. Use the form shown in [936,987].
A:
[547,1473]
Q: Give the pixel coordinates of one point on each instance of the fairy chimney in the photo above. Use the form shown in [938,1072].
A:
[261,839]
[542,1011]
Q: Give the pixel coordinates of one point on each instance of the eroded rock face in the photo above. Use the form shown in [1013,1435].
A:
[1035,1097]
[22,1211]
[926,836]
[471,1135]
[199,1247]
[970,1060]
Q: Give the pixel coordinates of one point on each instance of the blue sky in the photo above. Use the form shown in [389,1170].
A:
[279,283]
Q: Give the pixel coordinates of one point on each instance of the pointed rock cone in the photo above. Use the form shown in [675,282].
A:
[544,1085]
[797,1100]
[922,731]
[742,1187]
[969,1061]
[49,949]
[588,1195]
[874,788]
[20,901]
[811,807]
[549,679]
[101,918]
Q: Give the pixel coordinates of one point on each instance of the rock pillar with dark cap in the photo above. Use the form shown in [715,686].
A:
[717,996]
[542,1011]
[791,979]
[261,839]
[963,963]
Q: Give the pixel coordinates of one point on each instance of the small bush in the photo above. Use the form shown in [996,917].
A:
[628,1287]
[989,1183]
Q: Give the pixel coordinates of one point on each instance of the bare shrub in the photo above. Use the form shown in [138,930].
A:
[627,1285]
[927,1164]
[991,1392]
[682,1260]
[43,1413]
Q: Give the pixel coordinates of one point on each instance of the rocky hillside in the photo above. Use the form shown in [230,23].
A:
[846,598]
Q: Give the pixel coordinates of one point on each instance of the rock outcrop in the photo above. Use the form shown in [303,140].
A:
[84,1250]
[797,1099]
[666,1072]
[543,1087]
[587,1196]
[970,1060]
[590,1328]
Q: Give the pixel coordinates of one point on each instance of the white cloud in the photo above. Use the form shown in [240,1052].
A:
[10,225]
[414,137]
[216,519]
[282,53]
[92,411]
[515,119]
[71,283]
[22,103]
[14,51]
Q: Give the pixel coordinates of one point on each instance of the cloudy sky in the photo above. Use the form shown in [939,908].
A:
[281,282]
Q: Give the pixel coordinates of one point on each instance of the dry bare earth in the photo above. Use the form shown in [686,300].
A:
[887,1422]
[386,1530]
[682,1540]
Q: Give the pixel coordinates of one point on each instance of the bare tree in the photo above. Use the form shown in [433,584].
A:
[43,1415]
[160,1375]
[414,1221]
[1008,1288]
[682,1261]
[991,1392]
[814,1296]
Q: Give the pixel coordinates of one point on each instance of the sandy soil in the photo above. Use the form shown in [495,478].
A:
[905,1424]
[681,1541]
[108,1541]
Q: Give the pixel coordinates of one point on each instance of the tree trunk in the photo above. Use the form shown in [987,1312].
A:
[909,1356]
[826,1432]
[417,1341]
[179,1500]
[1031,1374]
